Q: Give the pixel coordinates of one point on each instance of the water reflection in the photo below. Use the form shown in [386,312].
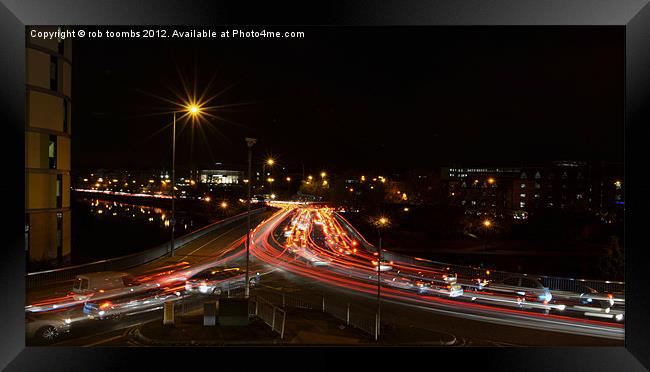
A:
[100,209]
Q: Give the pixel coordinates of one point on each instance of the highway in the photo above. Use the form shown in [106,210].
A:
[310,252]
[224,246]
[311,243]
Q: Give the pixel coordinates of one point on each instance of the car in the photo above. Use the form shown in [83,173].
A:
[46,328]
[399,282]
[447,285]
[216,280]
[87,285]
[591,297]
[522,285]
[124,304]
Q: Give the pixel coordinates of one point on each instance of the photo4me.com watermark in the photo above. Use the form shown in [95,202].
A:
[200,33]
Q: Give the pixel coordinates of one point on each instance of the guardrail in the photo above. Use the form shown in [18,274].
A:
[37,279]
[553,283]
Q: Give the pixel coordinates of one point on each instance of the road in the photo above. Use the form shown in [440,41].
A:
[310,243]
[220,247]
[310,253]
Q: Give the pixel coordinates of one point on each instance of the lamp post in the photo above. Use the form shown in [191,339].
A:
[249,142]
[381,223]
[193,110]
[487,224]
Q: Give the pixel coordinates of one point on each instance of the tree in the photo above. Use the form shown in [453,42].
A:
[612,263]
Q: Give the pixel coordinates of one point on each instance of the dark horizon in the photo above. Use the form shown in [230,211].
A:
[370,98]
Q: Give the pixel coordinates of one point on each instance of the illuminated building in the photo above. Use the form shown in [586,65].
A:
[568,185]
[221,177]
[47,150]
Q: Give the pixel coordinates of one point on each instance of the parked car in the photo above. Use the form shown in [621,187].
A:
[45,328]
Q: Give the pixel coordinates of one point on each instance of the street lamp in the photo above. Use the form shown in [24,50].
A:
[323,174]
[487,224]
[249,142]
[192,110]
[381,223]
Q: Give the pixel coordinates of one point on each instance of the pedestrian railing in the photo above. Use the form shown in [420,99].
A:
[352,315]
[272,315]
[41,278]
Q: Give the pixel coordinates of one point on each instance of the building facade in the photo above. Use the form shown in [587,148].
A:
[47,150]
[221,176]
[568,185]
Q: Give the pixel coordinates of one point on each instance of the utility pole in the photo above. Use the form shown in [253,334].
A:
[173,219]
[249,142]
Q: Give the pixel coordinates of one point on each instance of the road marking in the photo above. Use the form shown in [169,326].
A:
[104,341]
[228,231]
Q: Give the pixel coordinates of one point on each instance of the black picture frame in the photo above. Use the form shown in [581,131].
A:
[633,15]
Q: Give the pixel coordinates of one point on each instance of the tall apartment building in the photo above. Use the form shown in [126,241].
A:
[47,150]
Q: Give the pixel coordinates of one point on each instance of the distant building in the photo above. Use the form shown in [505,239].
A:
[567,185]
[221,177]
[47,150]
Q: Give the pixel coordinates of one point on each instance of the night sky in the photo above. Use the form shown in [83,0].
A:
[389,98]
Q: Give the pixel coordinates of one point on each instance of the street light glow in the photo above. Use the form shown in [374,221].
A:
[270,161]
[323,174]
[487,223]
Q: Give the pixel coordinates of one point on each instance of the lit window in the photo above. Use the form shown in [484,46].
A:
[522,204]
[51,151]
[522,195]
[523,185]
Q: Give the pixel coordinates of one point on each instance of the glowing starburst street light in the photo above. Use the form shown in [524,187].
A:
[193,110]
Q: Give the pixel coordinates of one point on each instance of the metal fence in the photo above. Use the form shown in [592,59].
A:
[272,315]
[553,283]
[38,279]
[342,309]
